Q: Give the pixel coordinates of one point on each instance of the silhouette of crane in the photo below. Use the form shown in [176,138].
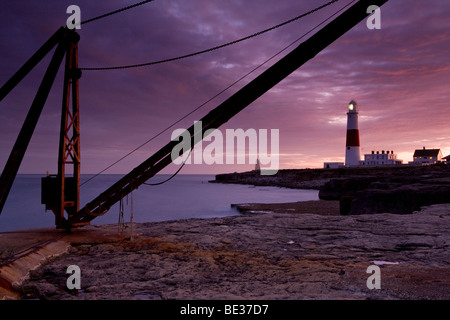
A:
[60,193]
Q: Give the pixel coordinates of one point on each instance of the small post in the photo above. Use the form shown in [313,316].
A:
[131,217]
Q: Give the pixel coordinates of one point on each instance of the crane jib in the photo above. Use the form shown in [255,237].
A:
[229,108]
[65,42]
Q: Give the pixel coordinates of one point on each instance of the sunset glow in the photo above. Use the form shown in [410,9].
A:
[398,75]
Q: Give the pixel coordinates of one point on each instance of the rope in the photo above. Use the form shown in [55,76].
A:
[218,94]
[120,223]
[213,48]
[131,217]
[171,177]
[116,11]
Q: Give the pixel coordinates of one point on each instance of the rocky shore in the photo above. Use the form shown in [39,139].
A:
[296,179]
[289,251]
[259,256]
[396,189]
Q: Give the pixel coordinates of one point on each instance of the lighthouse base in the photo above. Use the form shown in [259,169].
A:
[352,156]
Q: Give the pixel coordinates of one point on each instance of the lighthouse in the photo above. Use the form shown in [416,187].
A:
[352,149]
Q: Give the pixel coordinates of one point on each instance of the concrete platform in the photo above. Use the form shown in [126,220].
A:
[25,250]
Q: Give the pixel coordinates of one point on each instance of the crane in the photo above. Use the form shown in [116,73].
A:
[61,193]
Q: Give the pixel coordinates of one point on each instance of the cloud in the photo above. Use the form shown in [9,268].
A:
[398,75]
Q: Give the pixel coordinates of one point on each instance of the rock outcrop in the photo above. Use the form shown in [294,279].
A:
[296,179]
[402,192]
[398,189]
[403,199]
[261,256]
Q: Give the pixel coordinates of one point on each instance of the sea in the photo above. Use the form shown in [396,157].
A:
[183,197]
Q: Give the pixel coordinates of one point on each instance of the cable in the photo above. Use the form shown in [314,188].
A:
[171,177]
[215,96]
[185,116]
[213,48]
[176,122]
[200,106]
[116,11]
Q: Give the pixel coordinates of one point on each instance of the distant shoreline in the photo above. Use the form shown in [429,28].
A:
[361,190]
[316,178]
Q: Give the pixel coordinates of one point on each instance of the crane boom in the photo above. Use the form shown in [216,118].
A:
[20,146]
[228,109]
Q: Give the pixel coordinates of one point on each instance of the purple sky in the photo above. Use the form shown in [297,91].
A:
[399,76]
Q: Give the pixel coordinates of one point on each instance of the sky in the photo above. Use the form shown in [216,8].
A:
[399,75]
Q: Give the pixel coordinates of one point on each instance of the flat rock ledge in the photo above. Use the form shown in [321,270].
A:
[289,256]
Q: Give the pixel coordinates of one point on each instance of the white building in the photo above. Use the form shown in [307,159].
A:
[385,158]
[446,159]
[333,165]
[427,156]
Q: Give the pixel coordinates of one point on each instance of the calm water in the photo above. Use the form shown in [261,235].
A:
[183,197]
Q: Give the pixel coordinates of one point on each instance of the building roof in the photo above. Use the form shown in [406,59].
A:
[447,157]
[426,152]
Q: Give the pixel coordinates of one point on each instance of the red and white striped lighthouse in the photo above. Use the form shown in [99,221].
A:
[352,148]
